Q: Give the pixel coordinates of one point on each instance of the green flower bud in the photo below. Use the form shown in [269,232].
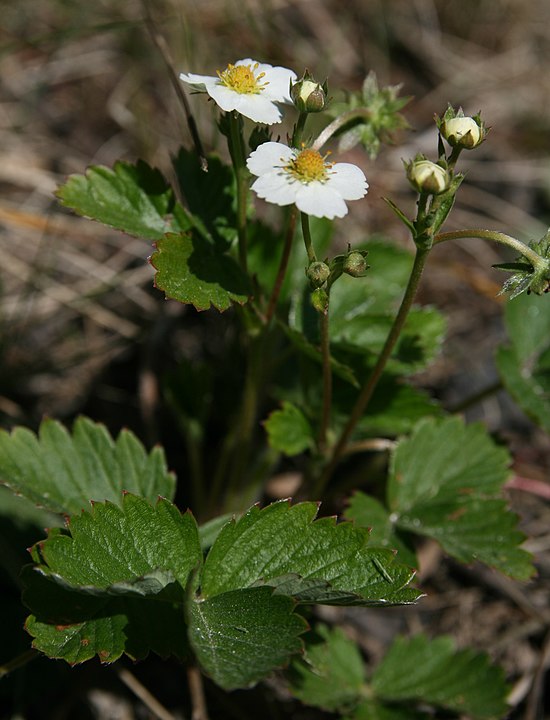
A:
[428,177]
[308,95]
[319,300]
[462,131]
[355,264]
[317,274]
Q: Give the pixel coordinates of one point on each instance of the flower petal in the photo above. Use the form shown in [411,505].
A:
[277,77]
[193,79]
[268,156]
[348,180]
[276,187]
[226,98]
[319,200]
[258,108]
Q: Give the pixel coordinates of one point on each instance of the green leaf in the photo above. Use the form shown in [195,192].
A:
[265,249]
[241,636]
[382,118]
[362,311]
[114,584]
[25,514]
[192,270]
[209,531]
[418,344]
[319,561]
[62,473]
[432,671]
[331,674]
[301,343]
[289,431]
[133,198]
[370,513]
[210,196]
[445,482]
[374,710]
[527,276]
[524,365]
[396,407]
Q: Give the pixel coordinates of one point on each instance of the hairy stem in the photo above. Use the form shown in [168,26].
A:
[335,125]
[536,260]
[18,662]
[370,385]
[298,130]
[196,690]
[241,175]
[283,265]
[327,380]
[310,250]
[244,431]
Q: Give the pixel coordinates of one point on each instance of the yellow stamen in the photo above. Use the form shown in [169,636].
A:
[308,165]
[241,79]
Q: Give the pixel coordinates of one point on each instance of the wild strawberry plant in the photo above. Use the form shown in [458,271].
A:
[316,373]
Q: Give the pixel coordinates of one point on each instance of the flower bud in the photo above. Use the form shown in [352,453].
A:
[355,264]
[319,300]
[308,95]
[317,274]
[428,177]
[463,132]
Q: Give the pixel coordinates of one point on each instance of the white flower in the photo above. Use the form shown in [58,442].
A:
[249,87]
[304,177]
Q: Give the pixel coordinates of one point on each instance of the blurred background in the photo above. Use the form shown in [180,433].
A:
[84,331]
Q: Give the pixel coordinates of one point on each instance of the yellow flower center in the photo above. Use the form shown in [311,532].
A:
[308,165]
[241,79]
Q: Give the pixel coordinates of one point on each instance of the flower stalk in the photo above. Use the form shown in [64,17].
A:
[369,387]
[538,262]
[342,120]
[238,158]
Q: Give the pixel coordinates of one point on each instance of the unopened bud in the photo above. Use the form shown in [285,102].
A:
[428,177]
[319,300]
[317,274]
[355,264]
[463,132]
[308,95]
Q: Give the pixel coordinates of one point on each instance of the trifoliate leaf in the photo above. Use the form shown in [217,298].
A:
[369,512]
[63,472]
[444,482]
[240,637]
[133,198]
[434,672]
[116,583]
[194,271]
[524,365]
[317,561]
[289,431]
[331,674]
